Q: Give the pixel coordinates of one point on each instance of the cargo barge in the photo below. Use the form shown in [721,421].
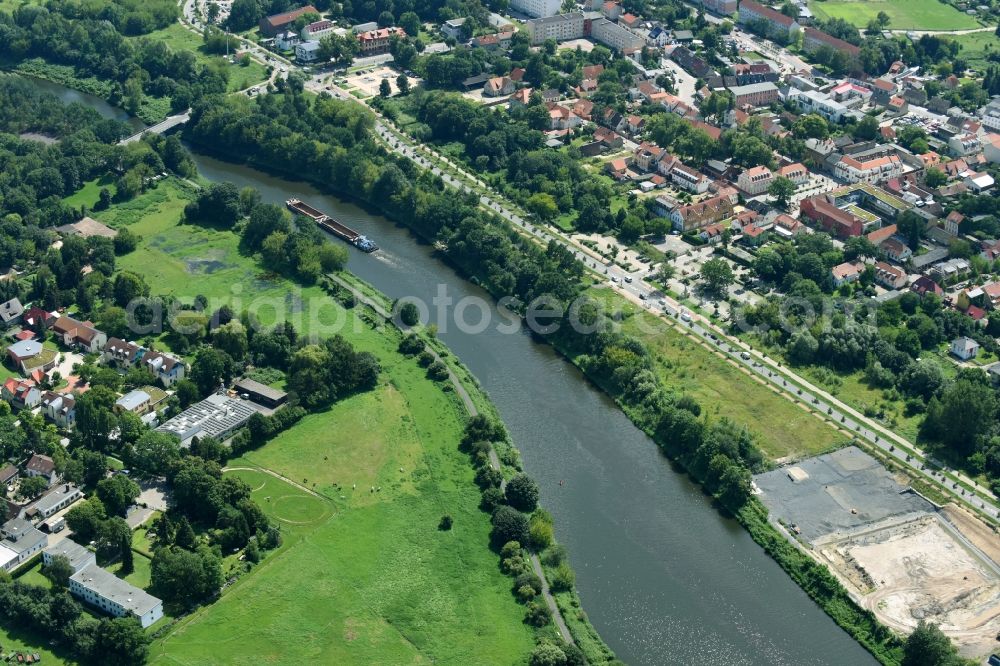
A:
[330,225]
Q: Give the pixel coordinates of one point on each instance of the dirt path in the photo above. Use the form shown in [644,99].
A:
[277,476]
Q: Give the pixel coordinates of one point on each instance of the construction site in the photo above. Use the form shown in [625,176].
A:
[900,555]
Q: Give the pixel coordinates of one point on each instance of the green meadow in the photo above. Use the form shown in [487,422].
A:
[903,14]
[785,429]
[364,574]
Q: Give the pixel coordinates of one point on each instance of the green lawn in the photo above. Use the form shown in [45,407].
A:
[903,14]
[14,640]
[89,194]
[179,38]
[784,428]
[187,260]
[976,46]
[366,577]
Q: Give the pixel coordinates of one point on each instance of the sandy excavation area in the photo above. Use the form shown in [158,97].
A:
[924,569]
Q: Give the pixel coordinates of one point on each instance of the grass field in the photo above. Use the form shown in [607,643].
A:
[903,14]
[187,260]
[179,38]
[976,46]
[784,429]
[363,576]
[28,641]
[90,193]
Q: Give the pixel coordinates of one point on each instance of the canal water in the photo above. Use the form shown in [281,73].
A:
[664,578]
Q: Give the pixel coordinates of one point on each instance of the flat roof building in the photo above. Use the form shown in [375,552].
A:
[217,416]
[114,596]
[260,393]
[79,557]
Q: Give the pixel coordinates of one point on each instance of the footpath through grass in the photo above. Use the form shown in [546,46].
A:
[903,14]
[366,576]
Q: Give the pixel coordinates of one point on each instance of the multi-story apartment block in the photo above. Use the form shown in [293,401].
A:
[755,94]
[777,23]
[561,28]
[536,8]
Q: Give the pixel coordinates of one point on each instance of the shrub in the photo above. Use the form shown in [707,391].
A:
[445,523]
[411,345]
[547,654]
[525,593]
[509,524]
[437,371]
[538,614]
[522,493]
[563,578]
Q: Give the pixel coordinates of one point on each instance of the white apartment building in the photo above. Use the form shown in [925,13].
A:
[614,36]
[561,28]
[813,101]
[114,596]
[536,8]
[873,170]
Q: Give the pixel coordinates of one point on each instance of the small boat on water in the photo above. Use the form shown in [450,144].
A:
[330,225]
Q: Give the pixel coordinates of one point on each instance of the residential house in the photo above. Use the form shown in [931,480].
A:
[79,334]
[753,236]
[498,86]
[272,25]
[38,319]
[964,144]
[8,474]
[964,348]
[924,285]
[43,466]
[54,501]
[712,233]
[635,125]
[950,271]
[60,408]
[21,393]
[689,179]
[617,169]
[11,313]
[26,355]
[114,595]
[561,118]
[797,173]
[777,24]
[787,226]
[896,250]
[701,214]
[755,181]
[953,222]
[286,41]
[647,155]
[889,276]
[849,271]
[166,368]
[317,30]
[608,138]
[520,98]
[137,401]
[453,27]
